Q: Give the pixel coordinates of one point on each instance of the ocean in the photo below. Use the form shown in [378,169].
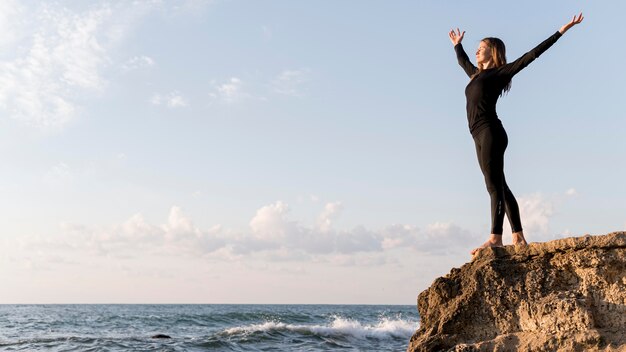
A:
[209,327]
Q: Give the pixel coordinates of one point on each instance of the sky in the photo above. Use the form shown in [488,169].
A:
[276,151]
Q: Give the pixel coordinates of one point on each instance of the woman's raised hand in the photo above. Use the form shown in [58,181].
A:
[576,20]
[456,37]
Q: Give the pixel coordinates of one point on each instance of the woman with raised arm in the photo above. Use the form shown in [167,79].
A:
[489,80]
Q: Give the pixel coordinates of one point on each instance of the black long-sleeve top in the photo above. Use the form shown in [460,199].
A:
[483,91]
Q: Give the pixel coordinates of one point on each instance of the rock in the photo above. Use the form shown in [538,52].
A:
[161,336]
[563,295]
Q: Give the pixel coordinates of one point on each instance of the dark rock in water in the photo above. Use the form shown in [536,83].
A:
[566,295]
[161,336]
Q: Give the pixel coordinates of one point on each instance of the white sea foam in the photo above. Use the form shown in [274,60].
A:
[385,328]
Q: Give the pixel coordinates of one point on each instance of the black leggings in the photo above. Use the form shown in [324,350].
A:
[490,146]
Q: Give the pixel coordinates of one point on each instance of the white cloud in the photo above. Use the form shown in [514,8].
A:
[272,229]
[536,212]
[59,56]
[398,236]
[358,239]
[289,82]
[63,54]
[436,238]
[178,225]
[176,101]
[176,236]
[136,228]
[229,92]
[331,212]
[138,62]
[181,235]
[443,237]
[235,90]
[571,192]
[172,100]
[270,223]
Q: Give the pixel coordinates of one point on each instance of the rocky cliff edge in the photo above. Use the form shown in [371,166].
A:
[563,295]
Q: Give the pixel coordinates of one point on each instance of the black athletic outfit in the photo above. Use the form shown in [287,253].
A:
[489,135]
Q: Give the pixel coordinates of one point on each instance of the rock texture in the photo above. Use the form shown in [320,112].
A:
[563,295]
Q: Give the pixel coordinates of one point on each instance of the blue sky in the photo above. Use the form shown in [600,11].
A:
[286,152]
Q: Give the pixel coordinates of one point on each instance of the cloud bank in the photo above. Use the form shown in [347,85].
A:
[271,232]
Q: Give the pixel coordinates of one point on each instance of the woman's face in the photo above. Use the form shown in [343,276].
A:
[483,53]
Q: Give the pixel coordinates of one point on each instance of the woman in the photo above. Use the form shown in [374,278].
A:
[488,81]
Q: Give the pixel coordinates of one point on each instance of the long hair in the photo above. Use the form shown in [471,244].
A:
[498,57]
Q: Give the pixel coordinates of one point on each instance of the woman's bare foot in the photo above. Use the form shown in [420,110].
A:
[493,241]
[518,239]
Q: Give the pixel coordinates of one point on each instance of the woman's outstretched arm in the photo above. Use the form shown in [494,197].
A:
[464,62]
[575,20]
[514,67]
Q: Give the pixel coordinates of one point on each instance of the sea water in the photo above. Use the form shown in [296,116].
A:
[206,327]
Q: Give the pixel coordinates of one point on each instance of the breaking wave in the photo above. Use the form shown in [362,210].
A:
[385,328]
